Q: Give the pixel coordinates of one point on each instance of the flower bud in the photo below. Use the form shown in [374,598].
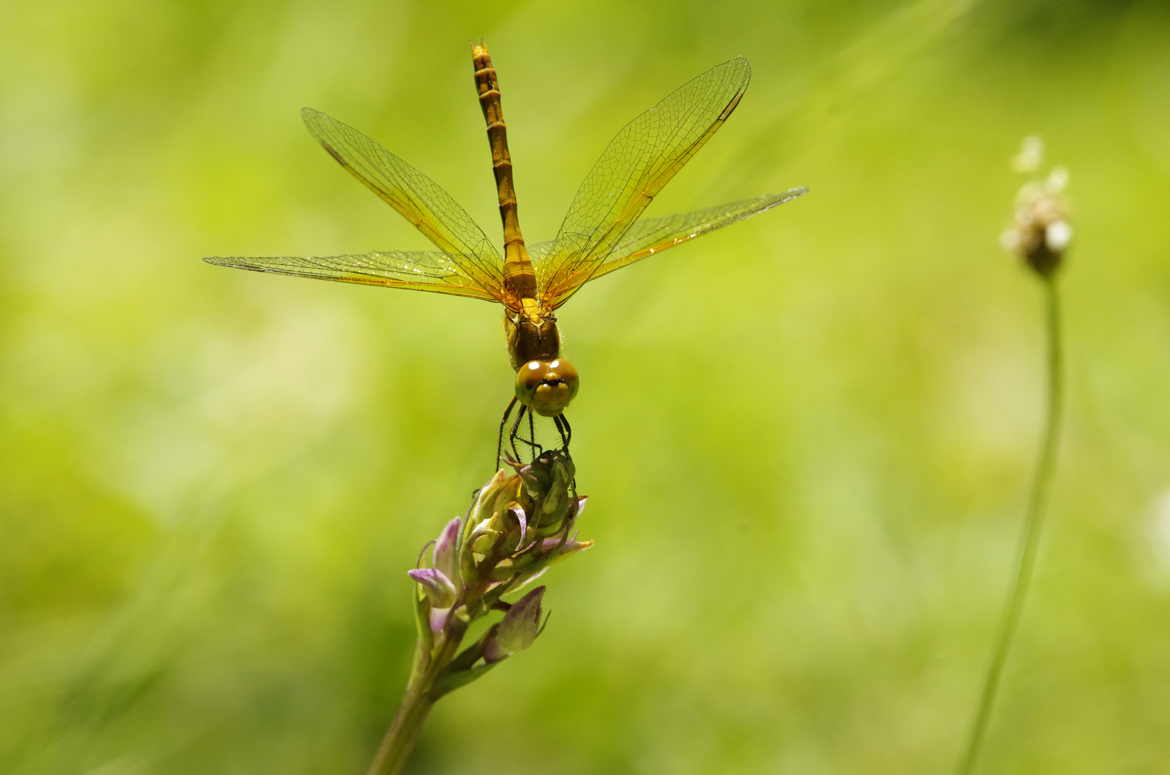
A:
[445,557]
[517,630]
[494,496]
[440,591]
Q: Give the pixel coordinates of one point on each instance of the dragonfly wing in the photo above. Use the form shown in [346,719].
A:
[651,236]
[416,197]
[634,167]
[413,270]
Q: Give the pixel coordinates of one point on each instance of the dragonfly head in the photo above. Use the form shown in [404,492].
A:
[546,387]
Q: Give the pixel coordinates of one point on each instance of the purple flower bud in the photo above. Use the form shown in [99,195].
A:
[517,630]
[439,589]
[438,618]
[492,652]
[445,557]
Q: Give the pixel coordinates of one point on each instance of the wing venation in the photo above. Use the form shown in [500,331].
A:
[640,160]
[651,236]
[412,270]
[416,197]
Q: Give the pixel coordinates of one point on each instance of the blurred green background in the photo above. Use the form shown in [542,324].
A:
[807,438]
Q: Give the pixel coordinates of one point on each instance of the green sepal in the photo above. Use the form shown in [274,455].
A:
[503,571]
[485,533]
[449,682]
[468,657]
[550,529]
[467,566]
[422,623]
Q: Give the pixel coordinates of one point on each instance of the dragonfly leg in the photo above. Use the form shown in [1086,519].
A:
[566,432]
[500,437]
[564,429]
[534,448]
[537,449]
[516,432]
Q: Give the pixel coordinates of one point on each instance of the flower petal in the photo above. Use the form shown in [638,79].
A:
[439,589]
[438,618]
[518,514]
[446,546]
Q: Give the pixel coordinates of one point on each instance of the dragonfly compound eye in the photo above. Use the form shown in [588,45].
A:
[546,387]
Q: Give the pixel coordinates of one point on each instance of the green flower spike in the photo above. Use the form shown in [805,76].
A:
[518,525]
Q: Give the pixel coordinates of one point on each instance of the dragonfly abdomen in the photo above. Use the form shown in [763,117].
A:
[519,279]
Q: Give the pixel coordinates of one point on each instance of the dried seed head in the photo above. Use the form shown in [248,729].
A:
[1040,233]
[1030,156]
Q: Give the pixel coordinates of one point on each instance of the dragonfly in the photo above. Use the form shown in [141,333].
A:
[602,232]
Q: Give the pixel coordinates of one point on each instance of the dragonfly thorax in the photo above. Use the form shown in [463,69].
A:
[532,336]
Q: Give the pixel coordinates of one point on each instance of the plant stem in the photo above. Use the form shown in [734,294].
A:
[399,740]
[1030,530]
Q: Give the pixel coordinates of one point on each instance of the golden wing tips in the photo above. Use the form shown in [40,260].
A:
[320,126]
[230,262]
[323,127]
[314,120]
[743,68]
[635,166]
[768,201]
[649,237]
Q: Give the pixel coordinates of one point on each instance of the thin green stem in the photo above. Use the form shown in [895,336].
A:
[400,738]
[417,701]
[1030,530]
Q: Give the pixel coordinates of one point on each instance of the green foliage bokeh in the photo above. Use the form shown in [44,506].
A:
[806,437]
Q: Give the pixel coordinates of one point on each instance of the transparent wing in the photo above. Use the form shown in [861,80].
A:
[416,197]
[654,235]
[413,270]
[634,167]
